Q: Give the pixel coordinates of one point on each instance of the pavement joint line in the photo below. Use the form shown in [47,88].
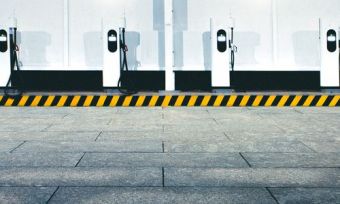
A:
[80,159]
[245,160]
[18,146]
[227,136]
[272,195]
[110,121]
[49,200]
[307,146]
[100,133]
[163,177]
[163,147]
[46,128]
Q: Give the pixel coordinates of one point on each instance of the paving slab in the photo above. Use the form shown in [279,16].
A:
[323,146]
[307,195]
[250,125]
[247,177]
[39,159]
[229,160]
[122,177]
[161,195]
[79,126]
[234,146]
[7,146]
[18,127]
[293,160]
[318,110]
[86,146]
[255,136]
[45,136]
[26,195]
[168,128]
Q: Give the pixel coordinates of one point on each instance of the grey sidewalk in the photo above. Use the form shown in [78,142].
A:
[173,155]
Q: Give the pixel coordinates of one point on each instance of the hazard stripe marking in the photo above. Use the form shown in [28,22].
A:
[173,101]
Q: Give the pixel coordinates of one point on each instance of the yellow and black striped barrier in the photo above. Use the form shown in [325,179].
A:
[173,101]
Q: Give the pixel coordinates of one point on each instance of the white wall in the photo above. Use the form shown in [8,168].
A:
[269,33]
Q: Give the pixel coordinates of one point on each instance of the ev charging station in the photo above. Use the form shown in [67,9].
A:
[8,54]
[112,54]
[330,53]
[223,50]
[5,60]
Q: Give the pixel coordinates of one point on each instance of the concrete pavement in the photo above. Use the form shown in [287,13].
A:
[169,155]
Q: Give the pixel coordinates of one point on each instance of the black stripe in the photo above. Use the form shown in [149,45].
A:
[2,101]
[107,101]
[68,101]
[251,100]
[290,100]
[302,100]
[29,101]
[16,100]
[42,101]
[238,101]
[120,101]
[55,101]
[315,101]
[134,101]
[186,100]
[225,100]
[328,100]
[160,100]
[147,101]
[264,100]
[81,101]
[199,101]
[94,101]
[277,100]
[173,101]
[338,104]
[212,100]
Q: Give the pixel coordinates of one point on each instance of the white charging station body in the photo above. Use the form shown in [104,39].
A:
[5,60]
[220,53]
[112,54]
[330,70]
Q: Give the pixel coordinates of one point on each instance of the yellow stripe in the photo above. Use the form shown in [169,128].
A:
[114,101]
[322,101]
[206,100]
[101,101]
[9,102]
[140,101]
[153,101]
[309,101]
[88,101]
[127,101]
[270,101]
[1,97]
[62,101]
[36,101]
[218,101]
[49,101]
[334,101]
[192,101]
[179,101]
[257,101]
[231,101]
[244,101]
[23,101]
[296,101]
[75,101]
[283,101]
[166,101]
